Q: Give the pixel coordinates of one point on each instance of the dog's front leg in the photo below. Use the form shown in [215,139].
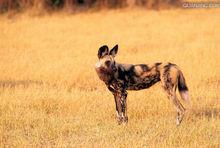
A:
[115,94]
[121,106]
[120,103]
[124,106]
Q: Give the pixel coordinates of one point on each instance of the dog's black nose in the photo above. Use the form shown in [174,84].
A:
[107,63]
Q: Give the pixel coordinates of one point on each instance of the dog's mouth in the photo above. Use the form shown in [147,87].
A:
[109,71]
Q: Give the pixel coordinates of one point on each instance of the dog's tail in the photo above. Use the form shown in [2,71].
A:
[182,87]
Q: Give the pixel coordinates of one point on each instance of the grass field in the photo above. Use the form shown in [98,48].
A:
[51,96]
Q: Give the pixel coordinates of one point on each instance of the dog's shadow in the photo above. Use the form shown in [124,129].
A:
[207,112]
[18,83]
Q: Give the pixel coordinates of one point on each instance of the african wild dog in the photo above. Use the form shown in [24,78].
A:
[122,77]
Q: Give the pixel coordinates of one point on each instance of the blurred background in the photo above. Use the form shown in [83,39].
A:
[51,5]
[51,96]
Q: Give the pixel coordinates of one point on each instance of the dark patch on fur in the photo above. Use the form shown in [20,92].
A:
[130,74]
[181,83]
[144,67]
[158,69]
[166,77]
[157,64]
[121,73]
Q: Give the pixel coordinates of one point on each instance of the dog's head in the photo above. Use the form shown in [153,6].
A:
[106,66]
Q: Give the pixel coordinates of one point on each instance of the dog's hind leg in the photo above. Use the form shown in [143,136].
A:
[170,90]
[169,80]
[179,107]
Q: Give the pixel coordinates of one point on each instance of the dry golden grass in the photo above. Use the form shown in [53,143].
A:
[50,94]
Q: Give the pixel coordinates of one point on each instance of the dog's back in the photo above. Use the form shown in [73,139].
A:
[140,76]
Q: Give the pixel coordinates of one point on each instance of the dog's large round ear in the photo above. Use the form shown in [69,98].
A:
[103,51]
[114,51]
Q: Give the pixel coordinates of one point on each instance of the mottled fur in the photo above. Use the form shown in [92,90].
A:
[122,77]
